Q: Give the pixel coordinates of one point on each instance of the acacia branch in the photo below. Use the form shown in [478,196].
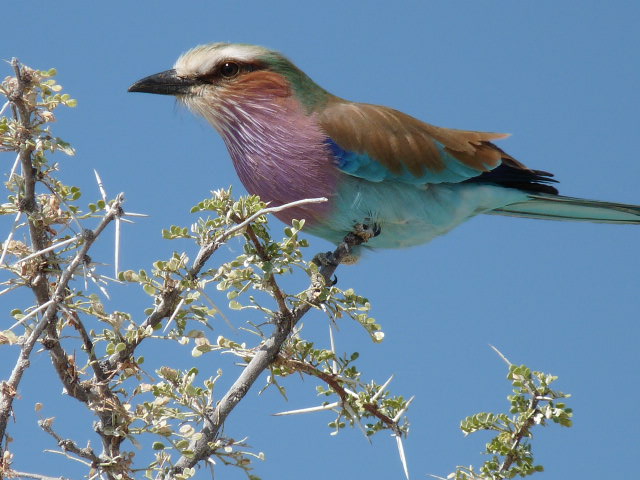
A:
[264,356]
[271,279]
[23,112]
[205,253]
[520,433]
[336,385]
[9,388]
[169,297]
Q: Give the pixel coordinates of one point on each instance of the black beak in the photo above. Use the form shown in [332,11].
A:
[163,83]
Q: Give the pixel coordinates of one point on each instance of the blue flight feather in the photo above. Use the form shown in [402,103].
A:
[362,165]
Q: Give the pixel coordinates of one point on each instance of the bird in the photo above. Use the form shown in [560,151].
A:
[402,180]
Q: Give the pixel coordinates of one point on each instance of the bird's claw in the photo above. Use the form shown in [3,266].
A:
[367,231]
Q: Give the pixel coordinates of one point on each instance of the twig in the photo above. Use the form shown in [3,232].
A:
[74,320]
[69,445]
[335,382]
[520,433]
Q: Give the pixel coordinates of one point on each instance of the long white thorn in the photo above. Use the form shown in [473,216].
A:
[133,214]
[13,168]
[402,412]
[403,458]
[9,238]
[85,274]
[351,392]
[45,250]
[334,364]
[8,289]
[4,107]
[506,360]
[103,192]
[220,312]
[382,389]
[319,408]
[31,314]
[356,419]
[173,315]
[96,279]
[116,253]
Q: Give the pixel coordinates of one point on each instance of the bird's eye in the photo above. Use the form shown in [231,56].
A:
[229,70]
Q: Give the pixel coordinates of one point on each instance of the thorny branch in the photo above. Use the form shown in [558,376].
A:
[28,204]
[68,445]
[266,353]
[520,434]
[336,385]
[169,298]
[21,95]
[9,388]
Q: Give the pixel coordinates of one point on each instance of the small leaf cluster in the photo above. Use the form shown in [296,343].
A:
[369,406]
[532,403]
[174,413]
[346,302]
[42,96]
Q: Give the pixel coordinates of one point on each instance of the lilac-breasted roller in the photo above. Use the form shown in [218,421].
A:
[290,139]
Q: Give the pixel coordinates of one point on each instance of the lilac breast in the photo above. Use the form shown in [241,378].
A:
[280,154]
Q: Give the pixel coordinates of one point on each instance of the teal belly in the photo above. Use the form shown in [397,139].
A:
[407,214]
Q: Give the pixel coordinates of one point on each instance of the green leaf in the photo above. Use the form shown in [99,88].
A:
[235,305]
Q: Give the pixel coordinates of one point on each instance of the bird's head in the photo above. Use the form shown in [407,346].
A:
[212,79]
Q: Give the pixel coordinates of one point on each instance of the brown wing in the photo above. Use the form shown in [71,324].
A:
[397,140]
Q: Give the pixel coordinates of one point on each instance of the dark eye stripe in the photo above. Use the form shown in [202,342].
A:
[228,70]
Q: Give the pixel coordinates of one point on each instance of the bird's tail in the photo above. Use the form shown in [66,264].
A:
[557,207]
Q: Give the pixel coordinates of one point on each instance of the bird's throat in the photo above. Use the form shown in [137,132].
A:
[279,153]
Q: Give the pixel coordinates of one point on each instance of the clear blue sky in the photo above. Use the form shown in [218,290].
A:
[562,77]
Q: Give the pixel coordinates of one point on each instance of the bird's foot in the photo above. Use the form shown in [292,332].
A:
[324,259]
[366,231]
